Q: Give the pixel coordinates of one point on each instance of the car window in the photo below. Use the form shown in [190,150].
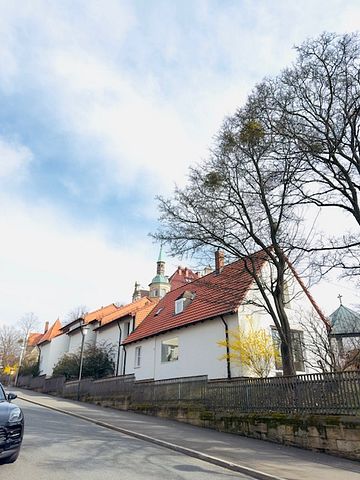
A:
[2,394]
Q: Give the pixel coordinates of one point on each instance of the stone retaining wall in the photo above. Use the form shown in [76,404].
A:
[336,435]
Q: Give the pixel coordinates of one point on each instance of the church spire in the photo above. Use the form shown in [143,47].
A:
[160,270]
[159,285]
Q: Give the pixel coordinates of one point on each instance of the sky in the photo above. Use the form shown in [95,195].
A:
[104,105]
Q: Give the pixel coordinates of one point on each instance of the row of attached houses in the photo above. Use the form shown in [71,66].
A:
[172,330]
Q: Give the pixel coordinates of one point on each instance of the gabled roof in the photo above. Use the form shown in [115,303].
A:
[138,309]
[344,321]
[53,332]
[182,276]
[92,316]
[100,313]
[214,294]
[34,338]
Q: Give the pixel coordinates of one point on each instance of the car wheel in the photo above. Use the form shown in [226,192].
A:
[10,459]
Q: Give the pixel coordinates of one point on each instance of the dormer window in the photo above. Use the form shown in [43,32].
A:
[179,305]
[183,301]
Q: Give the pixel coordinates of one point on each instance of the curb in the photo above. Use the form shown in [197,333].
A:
[257,474]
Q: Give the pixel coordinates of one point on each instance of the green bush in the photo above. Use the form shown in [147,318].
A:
[97,363]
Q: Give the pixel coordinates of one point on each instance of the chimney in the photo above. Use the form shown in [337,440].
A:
[46,327]
[219,261]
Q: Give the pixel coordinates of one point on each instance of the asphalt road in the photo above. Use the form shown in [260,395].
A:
[60,447]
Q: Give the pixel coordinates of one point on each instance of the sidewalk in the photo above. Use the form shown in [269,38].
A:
[257,458]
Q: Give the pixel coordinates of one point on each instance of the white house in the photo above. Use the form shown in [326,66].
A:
[68,338]
[179,337]
[106,326]
[115,327]
[50,346]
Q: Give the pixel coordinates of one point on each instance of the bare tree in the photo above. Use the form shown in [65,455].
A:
[316,103]
[320,354]
[10,346]
[242,199]
[77,312]
[27,324]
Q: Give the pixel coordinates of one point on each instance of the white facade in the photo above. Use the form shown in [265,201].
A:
[51,352]
[197,349]
[198,352]
[110,335]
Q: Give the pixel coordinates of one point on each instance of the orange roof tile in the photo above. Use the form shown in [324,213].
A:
[182,276]
[139,308]
[53,331]
[33,339]
[100,313]
[215,294]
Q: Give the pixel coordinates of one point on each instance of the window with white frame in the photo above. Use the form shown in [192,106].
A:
[184,301]
[137,356]
[179,305]
[170,349]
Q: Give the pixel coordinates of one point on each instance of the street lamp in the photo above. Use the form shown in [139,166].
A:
[84,330]
[22,351]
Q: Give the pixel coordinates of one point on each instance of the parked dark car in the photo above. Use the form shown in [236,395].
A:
[11,428]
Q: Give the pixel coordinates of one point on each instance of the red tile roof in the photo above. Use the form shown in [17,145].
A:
[100,313]
[33,339]
[92,316]
[53,332]
[182,276]
[139,309]
[215,294]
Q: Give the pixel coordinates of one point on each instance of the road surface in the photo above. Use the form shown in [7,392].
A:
[60,447]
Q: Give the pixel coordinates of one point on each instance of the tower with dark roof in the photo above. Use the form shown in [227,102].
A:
[160,284]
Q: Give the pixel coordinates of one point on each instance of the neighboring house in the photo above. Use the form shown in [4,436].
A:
[69,338]
[345,336]
[182,276]
[161,284]
[48,354]
[31,354]
[179,337]
[117,326]
[107,326]
[93,320]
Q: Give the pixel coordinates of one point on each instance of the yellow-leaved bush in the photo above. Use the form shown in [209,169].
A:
[253,348]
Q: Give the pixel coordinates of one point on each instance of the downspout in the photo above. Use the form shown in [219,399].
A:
[228,366]
[119,349]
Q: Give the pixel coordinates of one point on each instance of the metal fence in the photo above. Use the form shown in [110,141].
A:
[329,393]
[184,390]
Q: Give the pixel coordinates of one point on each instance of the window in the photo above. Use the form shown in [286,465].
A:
[298,349]
[179,305]
[183,301]
[127,329]
[170,350]
[137,356]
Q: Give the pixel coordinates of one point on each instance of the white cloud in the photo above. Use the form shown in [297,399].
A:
[14,160]
[50,265]
[140,94]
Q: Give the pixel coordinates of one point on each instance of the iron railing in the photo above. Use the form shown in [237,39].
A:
[320,393]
